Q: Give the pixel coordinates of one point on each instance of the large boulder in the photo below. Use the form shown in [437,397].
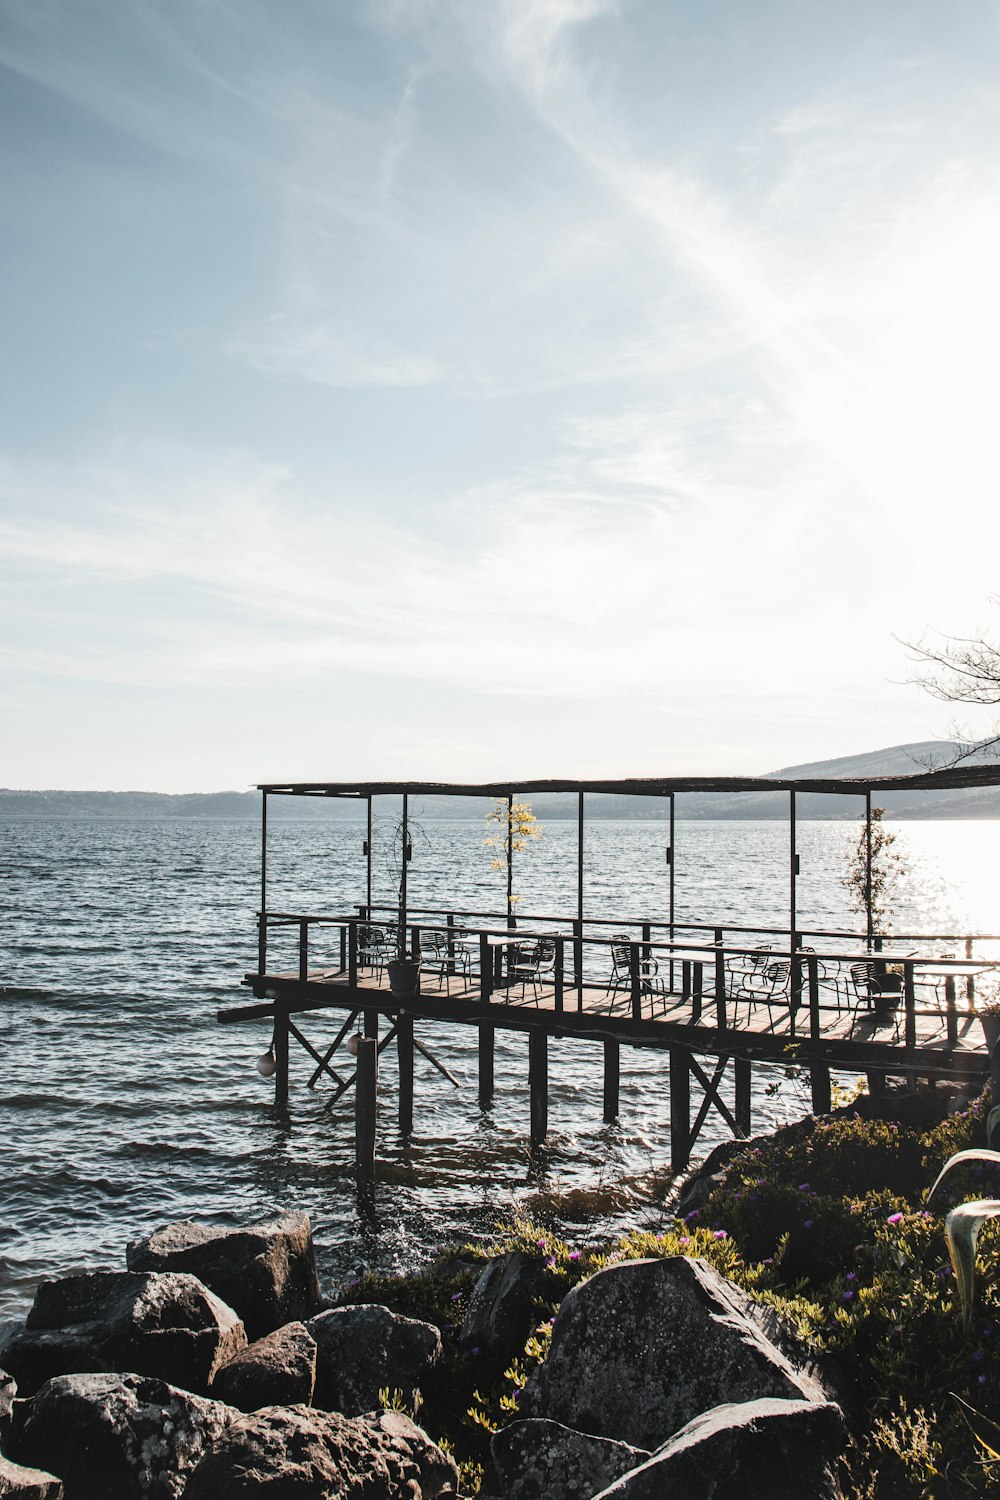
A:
[501,1309]
[166,1325]
[267,1271]
[18,1483]
[291,1452]
[541,1460]
[277,1370]
[756,1450]
[126,1436]
[642,1347]
[365,1349]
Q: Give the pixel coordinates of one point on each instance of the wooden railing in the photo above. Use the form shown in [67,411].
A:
[696,975]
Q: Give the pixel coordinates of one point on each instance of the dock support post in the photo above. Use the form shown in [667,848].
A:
[538,1083]
[680,1109]
[612,1073]
[371,1023]
[364,1111]
[819,1076]
[876,1082]
[486,1038]
[280,1054]
[741,1072]
[404,1054]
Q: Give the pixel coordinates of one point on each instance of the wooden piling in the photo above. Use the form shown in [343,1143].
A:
[819,1077]
[404,1055]
[280,1054]
[486,1048]
[680,1109]
[538,1083]
[741,1073]
[365,1110]
[612,1073]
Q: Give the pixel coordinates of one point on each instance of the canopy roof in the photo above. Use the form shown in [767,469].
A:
[950,778]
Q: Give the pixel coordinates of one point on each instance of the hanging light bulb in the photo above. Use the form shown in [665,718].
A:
[266,1063]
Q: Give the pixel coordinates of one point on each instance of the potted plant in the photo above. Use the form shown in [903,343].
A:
[404,969]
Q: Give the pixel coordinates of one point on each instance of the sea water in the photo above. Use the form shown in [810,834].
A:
[125,1105]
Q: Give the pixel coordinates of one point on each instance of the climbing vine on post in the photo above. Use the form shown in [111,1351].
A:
[510,827]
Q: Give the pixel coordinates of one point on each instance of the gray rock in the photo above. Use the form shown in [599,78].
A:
[17,1483]
[170,1326]
[756,1450]
[501,1308]
[37,1356]
[364,1349]
[278,1370]
[541,1460]
[126,1436]
[267,1271]
[293,1452]
[8,1390]
[641,1348]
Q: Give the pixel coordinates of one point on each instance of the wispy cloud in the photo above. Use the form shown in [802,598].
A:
[319,352]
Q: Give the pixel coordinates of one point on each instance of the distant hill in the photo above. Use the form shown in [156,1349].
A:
[895,760]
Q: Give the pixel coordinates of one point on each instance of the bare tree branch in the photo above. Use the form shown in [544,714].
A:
[960,669]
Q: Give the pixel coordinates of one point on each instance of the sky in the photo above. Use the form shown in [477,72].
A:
[457,389]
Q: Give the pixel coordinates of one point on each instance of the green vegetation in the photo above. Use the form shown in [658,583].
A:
[828,1224]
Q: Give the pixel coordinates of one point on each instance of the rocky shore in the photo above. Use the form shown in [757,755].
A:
[210,1367]
[777,1357]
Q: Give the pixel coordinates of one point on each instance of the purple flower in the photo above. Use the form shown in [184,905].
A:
[804,1187]
[474,1349]
[894,1219]
[456,1296]
[719,1234]
[575,1254]
[977,1355]
[851,1276]
[846,1296]
[684,1240]
[541,1244]
[807,1223]
[980,1379]
[550,1262]
[694,1214]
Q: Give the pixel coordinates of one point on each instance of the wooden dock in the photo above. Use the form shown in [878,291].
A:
[718,1000]
[711,1007]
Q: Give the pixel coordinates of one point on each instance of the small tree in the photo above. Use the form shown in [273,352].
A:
[510,827]
[872,878]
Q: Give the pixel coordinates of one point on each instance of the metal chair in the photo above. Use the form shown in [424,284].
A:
[762,981]
[650,979]
[533,963]
[445,956]
[872,994]
[374,949]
